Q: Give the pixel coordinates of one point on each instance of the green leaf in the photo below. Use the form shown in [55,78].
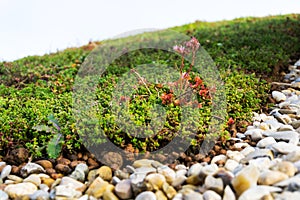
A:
[54,146]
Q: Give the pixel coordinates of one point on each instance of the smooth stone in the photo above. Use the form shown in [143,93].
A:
[290,136]
[92,175]
[179,196]
[247,150]
[145,170]
[274,124]
[285,167]
[192,196]
[82,167]
[295,124]
[284,119]
[285,183]
[179,180]
[142,163]
[160,195]
[209,169]
[33,178]
[271,177]
[169,190]
[297,165]
[47,181]
[240,135]
[180,167]
[258,192]
[285,128]
[228,194]
[218,158]
[155,180]
[46,164]
[78,175]
[258,153]
[240,145]
[284,148]
[40,195]
[264,126]
[215,184]
[181,172]
[121,175]
[20,190]
[87,197]
[195,169]
[73,183]
[115,180]
[255,131]
[261,163]
[211,195]
[235,155]
[230,164]
[266,142]
[138,183]
[67,191]
[15,178]
[167,172]
[3,195]
[278,96]
[105,173]
[293,156]
[97,188]
[123,189]
[146,196]
[31,168]
[5,172]
[44,187]
[245,179]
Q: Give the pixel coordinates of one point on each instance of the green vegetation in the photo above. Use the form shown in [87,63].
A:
[247,52]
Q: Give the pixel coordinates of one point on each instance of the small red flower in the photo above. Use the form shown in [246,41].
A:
[230,121]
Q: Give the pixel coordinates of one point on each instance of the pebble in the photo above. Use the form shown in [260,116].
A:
[271,177]
[31,168]
[3,195]
[278,96]
[146,196]
[123,189]
[258,192]
[5,172]
[211,195]
[20,190]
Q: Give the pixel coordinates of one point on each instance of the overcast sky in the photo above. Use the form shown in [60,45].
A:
[36,27]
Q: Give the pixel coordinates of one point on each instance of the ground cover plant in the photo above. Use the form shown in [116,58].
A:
[249,53]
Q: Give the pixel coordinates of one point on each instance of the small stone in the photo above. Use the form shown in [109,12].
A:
[112,159]
[293,156]
[105,173]
[288,195]
[145,170]
[142,163]
[209,169]
[146,196]
[289,136]
[40,195]
[266,142]
[240,145]
[15,178]
[226,176]
[78,175]
[31,168]
[5,172]
[195,180]
[181,172]
[262,164]
[97,188]
[278,96]
[296,124]
[284,148]
[258,153]
[215,184]
[20,190]
[160,195]
[167,172]
[245,179]
[155,180]
[169,190]
[271,177]
[47,181]
[64,169]
[3,195]
[73,183]
[219,158]
[179,180]
[46,164]
[63,161]
[235,155]
[285,127]
[67,191]
[195,169]
[87,197]
[33,178]
[228,194]
[191,195]
[123,189]
[121,175]
[258,192]
[82,167]
[247,150]
[92,175]
[285,167]
[211,195]
[230,165]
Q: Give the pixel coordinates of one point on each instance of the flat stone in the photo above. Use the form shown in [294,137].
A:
[73,183]
[288,195]
[5,171]
[296,124]
[40,195]
[169,190]
[215,184]
[285,127]
[284,148]
[209,169]
[271,177]
[15,178]
[285,167]
[247,150]
[289,136]
[167,172]
[258,153]
[192,195]
[142,163]
[146,196]
[287,182]
[235,155]
[33,178]
[293,156]
[195,169]
[261,163]
[155,180]
[258,192]
[245,179]
[278,96]
[123,189]
[20,190]
[145,170]
[67,191]
[274,124]
[218,158]
[97,188]
[266,142]
[230,165]
[228,194]
[31,168]
[211,195]
[179,180]
[46,164]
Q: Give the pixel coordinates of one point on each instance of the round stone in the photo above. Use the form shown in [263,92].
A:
[146,196]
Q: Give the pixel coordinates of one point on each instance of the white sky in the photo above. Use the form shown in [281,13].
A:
[36,27]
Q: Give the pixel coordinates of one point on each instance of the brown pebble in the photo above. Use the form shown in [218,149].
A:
[199,157]
[85,157]
[16,169]
[223,151]
[92,163]
[47,181]
[56,175]
[63,161]
[74,163]
[65,169]
[44,163]
[50,171]
[79,155]
[206,159]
